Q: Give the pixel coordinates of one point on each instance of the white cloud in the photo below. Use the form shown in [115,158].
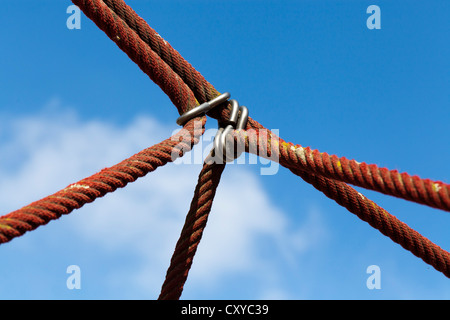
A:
[46,153]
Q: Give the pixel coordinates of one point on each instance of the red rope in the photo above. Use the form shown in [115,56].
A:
[381,220]
[154,55]
[424,191]
[435,194]
[201,88]
[260,143]
[138,51]
[74,196]
[192,231]
[184,86]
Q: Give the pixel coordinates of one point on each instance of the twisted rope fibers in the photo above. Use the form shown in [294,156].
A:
[435,194]
[380,219]
[139,52]
[192,231]
[262,144]
[74,196]
[201,88]
[186,88]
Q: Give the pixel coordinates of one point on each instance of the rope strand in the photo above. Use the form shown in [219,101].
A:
[202,89]
[186,87]
[139,52]
[435,194]
[353,201]
[74,196]
[381,220]
[192,231]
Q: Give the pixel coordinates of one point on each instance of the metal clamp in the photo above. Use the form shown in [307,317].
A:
[222,152]
[202,109]
[238,120]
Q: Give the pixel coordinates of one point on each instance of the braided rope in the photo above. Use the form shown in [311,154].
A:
[435,194]
[202,89]
[74,196]
[353,201]
[139,52]
[381,220]
[192,231]
[185,87]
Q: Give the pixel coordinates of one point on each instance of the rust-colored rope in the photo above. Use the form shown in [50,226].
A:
[435,194]
[123,14]
[425,191]
[381,220]
[138,51]
[185,87]
[391,182]
[107,180]
[202,89]
[192,231]
[355,202]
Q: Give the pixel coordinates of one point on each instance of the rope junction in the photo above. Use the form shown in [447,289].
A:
[190,92]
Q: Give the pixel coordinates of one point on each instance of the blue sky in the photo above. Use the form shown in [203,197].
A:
[72,103]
